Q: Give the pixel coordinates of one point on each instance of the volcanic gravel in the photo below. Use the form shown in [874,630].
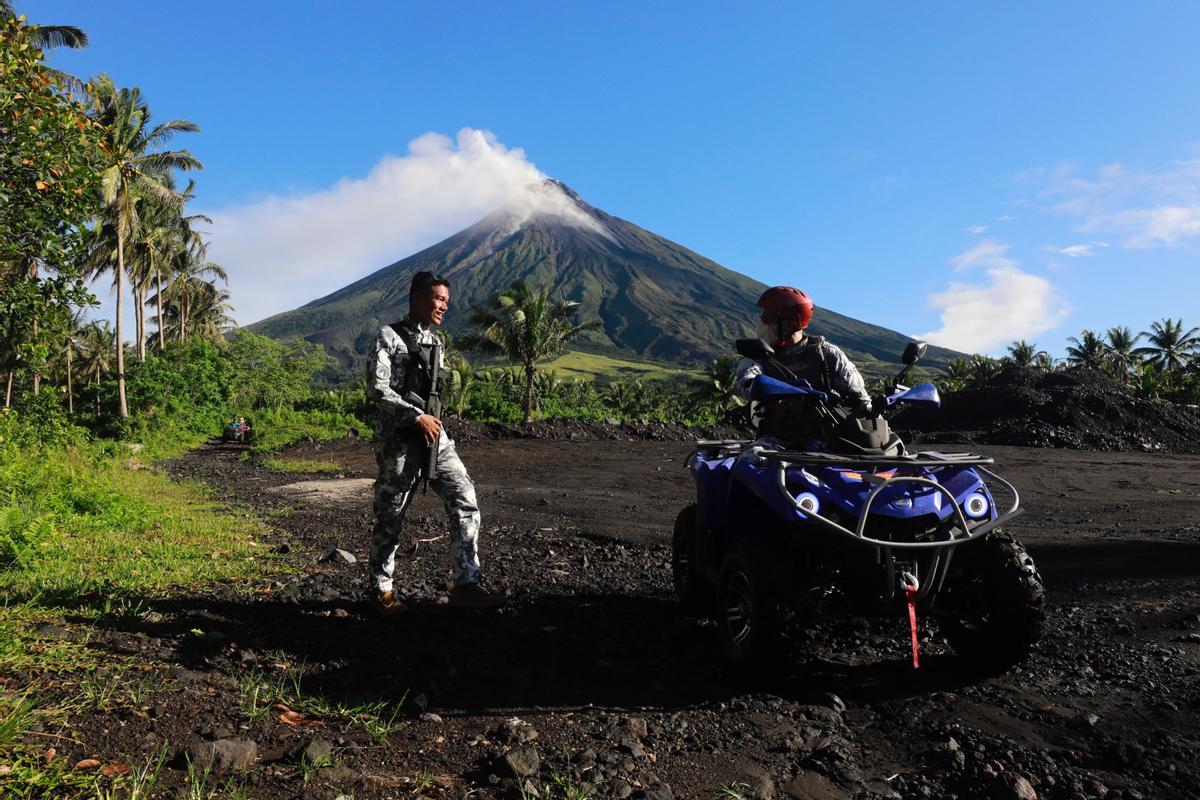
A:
[592,677]
[1080,408]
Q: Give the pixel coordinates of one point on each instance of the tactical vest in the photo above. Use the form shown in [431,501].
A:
[418,366]
[795,420]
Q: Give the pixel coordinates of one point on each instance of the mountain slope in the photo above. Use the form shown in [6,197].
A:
[654,298]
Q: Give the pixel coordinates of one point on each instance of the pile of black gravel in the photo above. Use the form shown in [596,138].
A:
[1081,409]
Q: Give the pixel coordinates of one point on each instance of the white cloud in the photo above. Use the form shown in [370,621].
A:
[1010,304]
[976,230]
[1077,250]
[1141,209]
[286,251]
[988,253]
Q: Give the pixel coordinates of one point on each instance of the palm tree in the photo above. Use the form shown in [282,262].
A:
[97,343]
[957,374]
[1119,342]
[1170,346]
[717,386]
[526,327]
[1086,351]
[132,168]
[209,317]
[1023,354]
[983,368]
[46,37]
[177,300]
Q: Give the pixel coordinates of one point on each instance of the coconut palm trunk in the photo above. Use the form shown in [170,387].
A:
[70,392]
[162,321]
[122,405]
[530,375]
[8,391]
[139,297]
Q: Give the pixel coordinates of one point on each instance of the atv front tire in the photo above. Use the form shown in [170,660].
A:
[996,608]
[694,592]
[750,614]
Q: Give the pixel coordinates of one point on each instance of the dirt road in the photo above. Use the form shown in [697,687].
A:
[612,689]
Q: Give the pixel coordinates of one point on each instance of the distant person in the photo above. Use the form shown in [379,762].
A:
[786,312]
[399,378]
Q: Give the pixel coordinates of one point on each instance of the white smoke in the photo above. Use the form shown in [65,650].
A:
[286,251]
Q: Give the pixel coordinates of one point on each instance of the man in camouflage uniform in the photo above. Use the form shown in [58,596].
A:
[400,380]
[786,312]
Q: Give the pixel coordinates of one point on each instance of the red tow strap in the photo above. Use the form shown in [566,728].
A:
[910,592]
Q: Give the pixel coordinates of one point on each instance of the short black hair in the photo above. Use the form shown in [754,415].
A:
[424,281]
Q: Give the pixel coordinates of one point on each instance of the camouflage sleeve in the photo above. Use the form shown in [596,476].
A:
[846,378]
[384,369]
[747,371]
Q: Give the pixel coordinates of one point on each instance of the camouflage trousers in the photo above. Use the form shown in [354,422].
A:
[399,466]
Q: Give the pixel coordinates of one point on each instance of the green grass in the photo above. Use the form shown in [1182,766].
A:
[260,692]
[575,364]
[301,466]
[89,534]
[276,429]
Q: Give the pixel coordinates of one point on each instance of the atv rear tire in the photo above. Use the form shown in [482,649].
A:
[750,614]
[694,592]
[996,609]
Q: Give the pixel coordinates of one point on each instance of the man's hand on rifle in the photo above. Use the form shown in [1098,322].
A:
[431,427]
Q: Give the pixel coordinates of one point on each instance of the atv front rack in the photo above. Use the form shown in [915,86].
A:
[964,531]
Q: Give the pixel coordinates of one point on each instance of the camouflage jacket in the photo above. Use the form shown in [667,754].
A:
[386,373]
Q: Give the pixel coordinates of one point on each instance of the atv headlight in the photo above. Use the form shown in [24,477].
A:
[808,503]
[976,506]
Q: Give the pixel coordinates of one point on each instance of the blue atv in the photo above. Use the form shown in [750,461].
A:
[835,518]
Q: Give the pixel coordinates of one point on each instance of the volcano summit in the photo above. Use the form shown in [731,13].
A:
[654,298]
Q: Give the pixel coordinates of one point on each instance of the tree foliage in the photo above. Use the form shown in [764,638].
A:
[526,327]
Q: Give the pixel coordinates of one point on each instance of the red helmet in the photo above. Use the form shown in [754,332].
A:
[785,300]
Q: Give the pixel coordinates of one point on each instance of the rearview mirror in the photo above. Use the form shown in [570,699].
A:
[914,351]
[754,349]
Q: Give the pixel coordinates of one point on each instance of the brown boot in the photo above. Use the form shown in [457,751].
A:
[472,595]
[388,605]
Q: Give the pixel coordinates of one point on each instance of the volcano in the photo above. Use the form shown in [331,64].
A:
[655,299]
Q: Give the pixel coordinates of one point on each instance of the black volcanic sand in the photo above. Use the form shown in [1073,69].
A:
[624,693]
[1080,409]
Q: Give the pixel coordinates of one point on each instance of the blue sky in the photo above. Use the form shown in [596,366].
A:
[973,172]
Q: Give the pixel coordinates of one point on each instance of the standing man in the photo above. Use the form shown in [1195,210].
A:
[400,379]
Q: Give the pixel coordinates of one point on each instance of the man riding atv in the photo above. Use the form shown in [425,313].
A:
[854,425]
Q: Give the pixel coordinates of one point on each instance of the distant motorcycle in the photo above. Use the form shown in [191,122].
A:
[845,522]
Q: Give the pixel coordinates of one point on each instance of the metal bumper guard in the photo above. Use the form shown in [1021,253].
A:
[960,534]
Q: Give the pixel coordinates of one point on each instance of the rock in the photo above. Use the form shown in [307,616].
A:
[317,751]
[517,731]
[429,716]
[223,754]
[522,762]
[835,702]
[48,631]
[339,556]
[1084,722]
[759,782]
[811,786]
[619,788]
[636,727]
[1010,786]
[319,793]
[633,747]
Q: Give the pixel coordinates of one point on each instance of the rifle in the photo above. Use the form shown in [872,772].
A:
[433,407]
